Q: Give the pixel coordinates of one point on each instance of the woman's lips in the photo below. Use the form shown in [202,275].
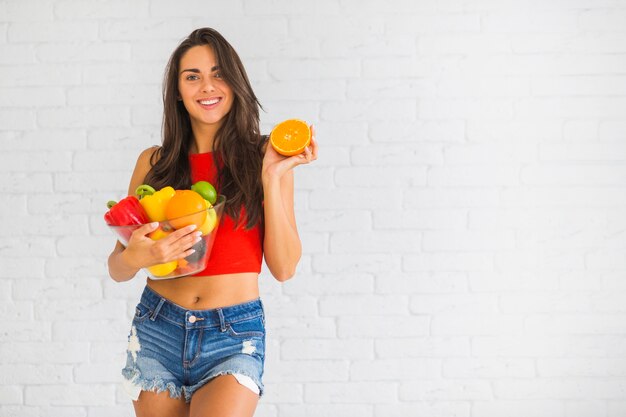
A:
[209,103]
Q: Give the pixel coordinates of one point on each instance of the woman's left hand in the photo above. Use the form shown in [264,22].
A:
[275,165]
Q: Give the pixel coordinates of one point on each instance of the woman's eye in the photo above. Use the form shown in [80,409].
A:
[191,77]
[218,75]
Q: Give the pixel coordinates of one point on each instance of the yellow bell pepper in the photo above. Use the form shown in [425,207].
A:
[154,202]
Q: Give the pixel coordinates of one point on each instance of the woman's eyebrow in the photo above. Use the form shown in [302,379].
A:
[197,71]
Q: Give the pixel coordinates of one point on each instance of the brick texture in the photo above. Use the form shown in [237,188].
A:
[463,230]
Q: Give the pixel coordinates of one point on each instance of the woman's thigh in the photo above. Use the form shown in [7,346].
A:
[223,396]
[151,404]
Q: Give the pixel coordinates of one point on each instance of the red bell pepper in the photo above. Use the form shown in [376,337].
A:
[127,212]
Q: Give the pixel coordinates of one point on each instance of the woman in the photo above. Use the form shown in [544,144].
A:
[197,344]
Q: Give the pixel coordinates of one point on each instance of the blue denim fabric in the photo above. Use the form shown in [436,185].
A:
[178,350]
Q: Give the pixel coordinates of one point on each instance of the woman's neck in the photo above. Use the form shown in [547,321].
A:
[203,136]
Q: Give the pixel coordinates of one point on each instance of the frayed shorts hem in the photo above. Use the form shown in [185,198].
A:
[133,384]
[188,391]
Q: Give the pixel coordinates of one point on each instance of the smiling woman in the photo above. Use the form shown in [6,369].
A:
[197,343]
[205,94]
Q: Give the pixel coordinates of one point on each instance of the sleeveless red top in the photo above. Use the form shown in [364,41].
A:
[234,249]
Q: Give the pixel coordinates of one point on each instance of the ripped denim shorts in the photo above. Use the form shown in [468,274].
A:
[174,349]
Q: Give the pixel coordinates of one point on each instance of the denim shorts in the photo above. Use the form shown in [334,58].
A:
[174,349]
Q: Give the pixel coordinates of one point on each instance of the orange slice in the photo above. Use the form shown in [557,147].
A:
[290,137]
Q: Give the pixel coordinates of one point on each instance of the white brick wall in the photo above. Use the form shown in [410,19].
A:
[463,229]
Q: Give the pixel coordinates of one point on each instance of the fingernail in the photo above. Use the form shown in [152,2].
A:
[154,224]
[192,251]
[198,233]
[193,227]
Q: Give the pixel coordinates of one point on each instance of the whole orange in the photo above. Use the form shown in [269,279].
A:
[185,208]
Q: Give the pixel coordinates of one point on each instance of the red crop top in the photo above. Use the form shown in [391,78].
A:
[234,249]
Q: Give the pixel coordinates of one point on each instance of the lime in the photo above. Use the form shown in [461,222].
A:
[206,190]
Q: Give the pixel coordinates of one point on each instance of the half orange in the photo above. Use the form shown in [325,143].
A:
[290,137]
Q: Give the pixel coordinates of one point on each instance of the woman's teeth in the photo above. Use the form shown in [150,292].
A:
[209,102]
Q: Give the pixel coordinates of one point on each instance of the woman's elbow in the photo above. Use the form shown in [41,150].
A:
[284,271]
[284,274]
[283,268]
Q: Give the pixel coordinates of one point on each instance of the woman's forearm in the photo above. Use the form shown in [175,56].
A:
[119,268]
[281,243]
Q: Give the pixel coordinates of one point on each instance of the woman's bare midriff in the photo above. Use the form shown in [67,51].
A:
[207,292]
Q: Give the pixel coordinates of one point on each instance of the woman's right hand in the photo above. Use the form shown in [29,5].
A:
[143,252]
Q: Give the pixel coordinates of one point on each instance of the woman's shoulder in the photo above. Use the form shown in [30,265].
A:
[149,153]
[150,156]
[146,160]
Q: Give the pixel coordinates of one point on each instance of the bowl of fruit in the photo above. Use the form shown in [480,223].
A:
[173,210]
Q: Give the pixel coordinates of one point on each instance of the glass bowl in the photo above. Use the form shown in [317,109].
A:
[193,263]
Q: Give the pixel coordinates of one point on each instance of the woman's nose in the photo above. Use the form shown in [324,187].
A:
[208,85]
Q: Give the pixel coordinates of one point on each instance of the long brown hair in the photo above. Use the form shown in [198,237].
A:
[238,141]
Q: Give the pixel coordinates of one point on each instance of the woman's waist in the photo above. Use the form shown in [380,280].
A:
[153,305]
[206,292]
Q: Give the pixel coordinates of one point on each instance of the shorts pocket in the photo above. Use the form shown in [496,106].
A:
[141,313]
[252,327]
